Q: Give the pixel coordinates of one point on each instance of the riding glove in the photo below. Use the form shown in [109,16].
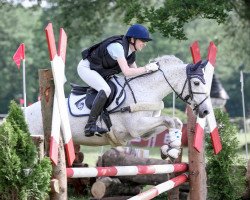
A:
[151,67]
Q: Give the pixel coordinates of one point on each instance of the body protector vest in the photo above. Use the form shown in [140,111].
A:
[102,62]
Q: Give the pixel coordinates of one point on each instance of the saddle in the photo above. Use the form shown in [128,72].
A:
[81,98]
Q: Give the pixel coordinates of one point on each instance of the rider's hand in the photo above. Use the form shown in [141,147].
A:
[151,67]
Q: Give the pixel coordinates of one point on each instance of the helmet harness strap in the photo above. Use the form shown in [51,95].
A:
[133,43]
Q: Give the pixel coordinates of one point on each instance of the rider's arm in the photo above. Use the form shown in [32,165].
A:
[133,65]
[128,71]
[116,51]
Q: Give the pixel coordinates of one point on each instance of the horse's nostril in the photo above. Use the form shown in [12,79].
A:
[206,112]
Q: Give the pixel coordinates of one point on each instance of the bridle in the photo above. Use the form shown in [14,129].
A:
[190,91]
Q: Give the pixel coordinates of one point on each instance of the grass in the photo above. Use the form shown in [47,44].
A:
[91,155]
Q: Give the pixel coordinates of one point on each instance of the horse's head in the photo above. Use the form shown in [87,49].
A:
[197,93]
[187,81]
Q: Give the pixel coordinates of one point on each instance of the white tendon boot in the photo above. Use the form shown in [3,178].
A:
[173,144]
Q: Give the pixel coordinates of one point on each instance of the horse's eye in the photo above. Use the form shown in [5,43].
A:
[196,83]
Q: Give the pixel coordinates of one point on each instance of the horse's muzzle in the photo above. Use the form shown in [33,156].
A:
[203,113]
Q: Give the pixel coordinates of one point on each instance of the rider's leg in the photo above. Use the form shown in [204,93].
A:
[91,128]
[94,80]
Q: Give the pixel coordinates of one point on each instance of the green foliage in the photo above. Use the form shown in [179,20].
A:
[22,175]
[24,147]
[225,171]
[16,28]
[161,196]
[15,117]
[88,16]
[169,17]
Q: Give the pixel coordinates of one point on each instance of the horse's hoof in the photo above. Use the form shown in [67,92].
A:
[164,152]
[173,153]
[163,156]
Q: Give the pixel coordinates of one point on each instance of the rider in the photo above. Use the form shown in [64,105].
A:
[113,55]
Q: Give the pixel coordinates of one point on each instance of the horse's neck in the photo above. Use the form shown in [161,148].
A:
[176,76]
[151,87]
[154,87]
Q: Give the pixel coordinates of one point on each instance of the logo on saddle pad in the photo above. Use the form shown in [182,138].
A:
[81,98]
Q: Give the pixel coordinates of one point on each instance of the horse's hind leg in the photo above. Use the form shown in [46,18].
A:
[149,124]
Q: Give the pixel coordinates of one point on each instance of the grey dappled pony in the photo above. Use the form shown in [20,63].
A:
[149,91]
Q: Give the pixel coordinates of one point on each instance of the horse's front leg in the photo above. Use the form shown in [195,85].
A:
[150,124]
[173,141]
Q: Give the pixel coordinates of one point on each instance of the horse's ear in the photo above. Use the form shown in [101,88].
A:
[204,63]
[195,66]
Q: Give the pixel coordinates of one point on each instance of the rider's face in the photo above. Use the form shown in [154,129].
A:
[139,44]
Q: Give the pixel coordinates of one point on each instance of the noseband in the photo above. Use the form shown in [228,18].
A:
[190,91]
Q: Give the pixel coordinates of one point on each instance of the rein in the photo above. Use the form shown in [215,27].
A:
[191,93]
[184,99]
[127,83]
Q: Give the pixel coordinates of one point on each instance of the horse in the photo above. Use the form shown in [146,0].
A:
[144,95]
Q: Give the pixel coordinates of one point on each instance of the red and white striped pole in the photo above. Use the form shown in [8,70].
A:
[126,170]
[212,125]
[58,69]
[55,133]
[163,187]
[210,119]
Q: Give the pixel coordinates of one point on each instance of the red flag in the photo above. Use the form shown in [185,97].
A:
[21,101]
[19,55]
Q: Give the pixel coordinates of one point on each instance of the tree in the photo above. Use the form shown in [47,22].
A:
[16,28]
[169,17]
[22,175]
[90,17]
[226,171]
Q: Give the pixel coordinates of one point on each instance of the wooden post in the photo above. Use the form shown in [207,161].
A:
[39,142]
[47,93]
[59,178]
[59,173]
[197,172]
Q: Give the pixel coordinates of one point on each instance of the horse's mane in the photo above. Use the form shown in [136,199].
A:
[167,59]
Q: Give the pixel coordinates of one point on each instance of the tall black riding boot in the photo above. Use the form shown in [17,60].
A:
[91,128]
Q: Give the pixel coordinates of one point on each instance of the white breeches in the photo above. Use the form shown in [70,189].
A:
[92,78]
